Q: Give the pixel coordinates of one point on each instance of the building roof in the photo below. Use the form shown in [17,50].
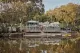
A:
[55,24]
[32,21]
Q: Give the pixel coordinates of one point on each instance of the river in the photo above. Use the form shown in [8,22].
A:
[23,45]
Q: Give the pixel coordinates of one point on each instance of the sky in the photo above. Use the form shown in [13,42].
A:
[51,4]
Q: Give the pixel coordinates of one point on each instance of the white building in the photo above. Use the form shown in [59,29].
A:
[35,26]
[32,26]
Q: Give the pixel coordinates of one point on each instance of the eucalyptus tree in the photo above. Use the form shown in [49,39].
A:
[23,10]
[19,11]
[66,14]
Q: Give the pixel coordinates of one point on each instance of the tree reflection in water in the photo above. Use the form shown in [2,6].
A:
[21,46]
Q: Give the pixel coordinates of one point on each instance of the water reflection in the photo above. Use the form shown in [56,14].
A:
[23,46]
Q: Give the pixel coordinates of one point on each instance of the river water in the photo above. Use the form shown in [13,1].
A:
[24,46]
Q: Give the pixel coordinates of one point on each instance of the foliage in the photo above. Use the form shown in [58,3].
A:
[21,11]
[66,14]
